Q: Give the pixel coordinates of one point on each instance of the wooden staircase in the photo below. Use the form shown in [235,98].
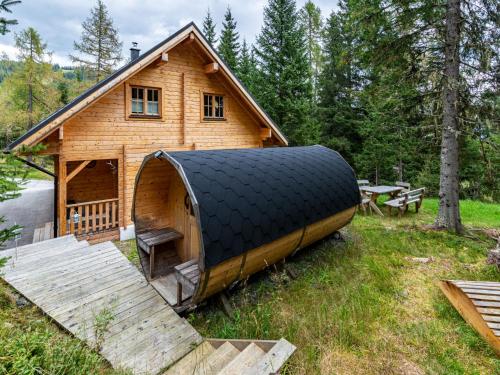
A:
[231,357]
[73,282]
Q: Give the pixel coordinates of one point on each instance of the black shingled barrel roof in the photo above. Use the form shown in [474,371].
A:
[249,197]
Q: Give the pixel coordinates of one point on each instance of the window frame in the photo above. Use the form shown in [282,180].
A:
[145,115]
[212,106]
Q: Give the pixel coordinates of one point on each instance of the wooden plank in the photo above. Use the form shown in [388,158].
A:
[194,359]
[100,217]
[479,290]
[71,221]
[114,223]
[273,360]
[94,215]
[485,297]
[485,303]
[107,214]
[243,361]
[491,318]
[87,218]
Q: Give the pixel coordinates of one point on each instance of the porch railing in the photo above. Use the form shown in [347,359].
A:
[92,217]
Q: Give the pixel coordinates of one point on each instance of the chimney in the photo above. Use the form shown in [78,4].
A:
[134,51]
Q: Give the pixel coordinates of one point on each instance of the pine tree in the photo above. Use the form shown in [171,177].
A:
[209,29]
[284,87]
[247,71]
[310,18]
[229,46]
[100,42]
[4,22]
[338,106]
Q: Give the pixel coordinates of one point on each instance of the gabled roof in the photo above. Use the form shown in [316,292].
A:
[45,127]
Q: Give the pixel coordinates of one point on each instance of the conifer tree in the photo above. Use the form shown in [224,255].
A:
[29,87]
[338,107]
[310,18]
[209,29]
[229,46]
[247,69]
[99,43]
[4,22]
[285,88]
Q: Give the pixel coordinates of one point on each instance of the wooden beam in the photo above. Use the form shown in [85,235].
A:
[189,39]
[163,59]
[265,133]
[61,133]
[77,170]
[212,68]
[61,195]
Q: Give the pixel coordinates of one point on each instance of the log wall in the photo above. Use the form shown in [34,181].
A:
[103,131]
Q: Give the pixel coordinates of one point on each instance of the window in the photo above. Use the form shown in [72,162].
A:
[145,102]
[213,107]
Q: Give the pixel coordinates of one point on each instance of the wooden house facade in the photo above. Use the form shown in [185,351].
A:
[178,96]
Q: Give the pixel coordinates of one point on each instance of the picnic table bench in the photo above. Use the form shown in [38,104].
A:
[375,191]
[403,201]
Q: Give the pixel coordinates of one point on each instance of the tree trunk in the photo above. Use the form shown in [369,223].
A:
[449,212]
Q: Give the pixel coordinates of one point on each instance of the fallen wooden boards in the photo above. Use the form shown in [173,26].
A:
[75,284]
[479,304]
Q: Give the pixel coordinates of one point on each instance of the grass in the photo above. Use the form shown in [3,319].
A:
[359,307]
[365,307]
[32,344]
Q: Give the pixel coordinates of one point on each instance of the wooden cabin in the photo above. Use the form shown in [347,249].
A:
[178,96]
[207,219]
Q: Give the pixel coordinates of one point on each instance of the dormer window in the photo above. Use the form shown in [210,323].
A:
[213,107]
[145,102]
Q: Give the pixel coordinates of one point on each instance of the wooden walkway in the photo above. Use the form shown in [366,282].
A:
[479,304]
[78,285]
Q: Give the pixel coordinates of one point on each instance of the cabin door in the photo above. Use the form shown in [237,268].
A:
[191,231]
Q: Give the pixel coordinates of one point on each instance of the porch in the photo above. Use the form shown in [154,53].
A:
[88,199]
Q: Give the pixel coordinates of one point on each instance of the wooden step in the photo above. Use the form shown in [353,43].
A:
[190,362]
[217,360]
[243,361]
[273,360]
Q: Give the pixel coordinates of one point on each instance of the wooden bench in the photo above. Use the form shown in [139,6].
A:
[149,239]
[405,185]
[187,275]
[365,197]
[403,201]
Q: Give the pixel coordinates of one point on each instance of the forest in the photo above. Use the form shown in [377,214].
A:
[367,80]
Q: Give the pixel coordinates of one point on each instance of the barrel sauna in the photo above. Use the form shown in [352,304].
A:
[205,219]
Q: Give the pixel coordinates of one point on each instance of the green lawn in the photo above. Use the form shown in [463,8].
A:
[366,307]
[363,307]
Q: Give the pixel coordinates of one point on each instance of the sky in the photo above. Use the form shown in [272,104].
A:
[146,22]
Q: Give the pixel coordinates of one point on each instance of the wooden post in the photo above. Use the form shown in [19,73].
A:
[183,97]
[179,293]
[61,198]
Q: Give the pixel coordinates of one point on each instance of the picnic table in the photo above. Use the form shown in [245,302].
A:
[379,190]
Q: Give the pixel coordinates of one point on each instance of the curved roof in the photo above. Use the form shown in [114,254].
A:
[249,197]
